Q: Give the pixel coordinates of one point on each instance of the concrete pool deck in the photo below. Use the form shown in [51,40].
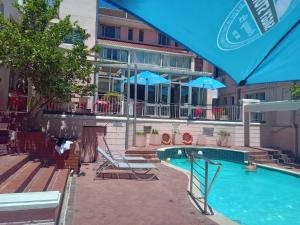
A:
[130,202]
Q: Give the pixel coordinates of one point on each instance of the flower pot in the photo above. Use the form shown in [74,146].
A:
[140,141]
[155,139]
[177,139]
[201,140]
[224,141]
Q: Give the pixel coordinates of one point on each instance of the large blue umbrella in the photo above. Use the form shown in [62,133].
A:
[206,82]
[253,41]
[149,78]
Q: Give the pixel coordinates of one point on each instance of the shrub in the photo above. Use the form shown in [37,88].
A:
[154,131]
[140,133]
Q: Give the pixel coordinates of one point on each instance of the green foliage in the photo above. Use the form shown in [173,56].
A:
[32,47]
[140,133]
[154,131]
[223,133]
[295,91]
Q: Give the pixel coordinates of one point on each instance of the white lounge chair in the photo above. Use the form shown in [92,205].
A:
[139,170]
[118,156]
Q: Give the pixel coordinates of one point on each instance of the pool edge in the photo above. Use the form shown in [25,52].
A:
[217,217]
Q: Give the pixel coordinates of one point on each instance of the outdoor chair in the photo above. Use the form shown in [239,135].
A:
[139,170]
[116,155]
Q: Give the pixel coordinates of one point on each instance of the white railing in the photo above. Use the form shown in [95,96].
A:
[117,106]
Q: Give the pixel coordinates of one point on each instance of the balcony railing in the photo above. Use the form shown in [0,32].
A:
[117,106]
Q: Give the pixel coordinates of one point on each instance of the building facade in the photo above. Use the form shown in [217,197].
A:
[278,129]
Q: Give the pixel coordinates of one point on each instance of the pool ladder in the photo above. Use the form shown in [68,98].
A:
[200,186]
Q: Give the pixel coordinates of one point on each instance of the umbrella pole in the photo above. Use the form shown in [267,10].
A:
[135,102]
[127,107]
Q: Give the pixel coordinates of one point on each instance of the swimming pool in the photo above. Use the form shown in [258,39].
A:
[264,197]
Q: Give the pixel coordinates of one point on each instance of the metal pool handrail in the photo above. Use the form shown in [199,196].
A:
[203,194]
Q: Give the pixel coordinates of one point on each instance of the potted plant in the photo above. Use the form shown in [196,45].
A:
[140,139]
[155,138]
[176,136]
[223,138]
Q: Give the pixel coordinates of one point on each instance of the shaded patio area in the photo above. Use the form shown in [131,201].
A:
[128,202]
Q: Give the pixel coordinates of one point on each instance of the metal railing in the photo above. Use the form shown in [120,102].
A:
[200,184]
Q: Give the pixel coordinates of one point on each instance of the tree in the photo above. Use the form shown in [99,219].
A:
[295,91]
[32,47]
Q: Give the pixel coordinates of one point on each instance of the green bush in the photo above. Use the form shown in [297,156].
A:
[154,131]
[223,133]
[140,133]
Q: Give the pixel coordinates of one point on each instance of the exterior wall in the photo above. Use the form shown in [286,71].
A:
[9,10]
[71,126]
[278,131]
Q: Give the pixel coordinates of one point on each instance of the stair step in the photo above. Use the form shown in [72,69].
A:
[58,181]
[260,157]
[18,181]
[146,156]
[9,164]
[263,161]
[258,153]
[140,152]
[41,180]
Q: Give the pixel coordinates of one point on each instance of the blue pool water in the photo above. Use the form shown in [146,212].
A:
[264,197]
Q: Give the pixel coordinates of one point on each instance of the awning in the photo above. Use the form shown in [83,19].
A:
[253,41]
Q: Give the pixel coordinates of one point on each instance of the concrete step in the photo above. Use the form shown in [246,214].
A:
[145,152]
[9,164]
[146,156]
[260,157]
[263,161]
[258,153]
[41,180]
[21,178]
[58,183]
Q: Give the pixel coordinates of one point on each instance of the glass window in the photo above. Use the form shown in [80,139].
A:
[163,39]
[176,61]
[110,31]
[103,85]
[130,34]
[141,36]
[74,37]
[114,54]
[1,8]
[147,58]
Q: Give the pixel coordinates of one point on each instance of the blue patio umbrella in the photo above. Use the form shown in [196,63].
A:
[149,78]
[206,82]
[253,41]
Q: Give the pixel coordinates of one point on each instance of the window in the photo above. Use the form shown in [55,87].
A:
[130,34]
[147,58]
[232,100]
[114,54]
[1,8]
[176,44]
[176,61]
[163,40]
[76,36]
[141,36]
[110,31]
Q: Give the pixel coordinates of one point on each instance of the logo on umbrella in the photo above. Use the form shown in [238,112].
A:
[250,19]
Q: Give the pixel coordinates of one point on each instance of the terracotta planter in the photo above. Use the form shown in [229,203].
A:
[201,140]
[224,141]
[140,141]
[177,139]
[155,139]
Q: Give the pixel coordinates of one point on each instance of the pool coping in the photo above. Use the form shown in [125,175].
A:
[204,147]
[278,169]
[217,217]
